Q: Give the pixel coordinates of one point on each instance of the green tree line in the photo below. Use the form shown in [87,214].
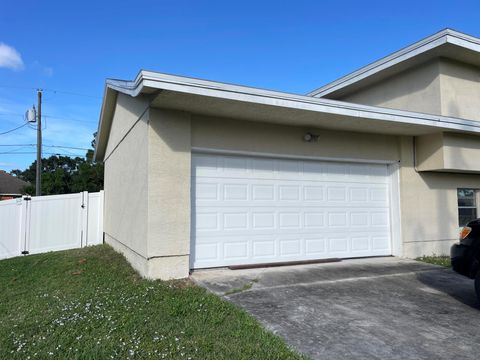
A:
[64,174]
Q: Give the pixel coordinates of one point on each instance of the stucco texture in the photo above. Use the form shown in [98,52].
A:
[429,208]
[148,164]
[126,169]
[441,87]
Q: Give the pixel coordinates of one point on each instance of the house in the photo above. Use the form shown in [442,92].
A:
[384,161]
[11,187]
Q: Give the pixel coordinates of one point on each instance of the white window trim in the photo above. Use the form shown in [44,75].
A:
[476,206]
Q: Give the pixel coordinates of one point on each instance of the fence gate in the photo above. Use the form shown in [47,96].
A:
[33,225]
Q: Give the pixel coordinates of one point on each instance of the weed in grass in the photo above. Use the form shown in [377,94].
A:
[245,287]
[442,260]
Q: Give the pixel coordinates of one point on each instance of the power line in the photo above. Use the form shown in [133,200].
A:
[72,93]
[17,87]
[18,145]
[51,90]
[51,146]
[48,116]
[11,114]
[66,147]
[12,130]
[43,153]
[68,119]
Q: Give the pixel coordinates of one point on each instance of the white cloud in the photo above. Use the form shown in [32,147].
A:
[10,58]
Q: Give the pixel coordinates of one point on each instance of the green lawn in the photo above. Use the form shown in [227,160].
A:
[90,304]
[436,260]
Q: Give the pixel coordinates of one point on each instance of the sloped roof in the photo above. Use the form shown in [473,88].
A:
[253,104]
[10,184]
[447,43]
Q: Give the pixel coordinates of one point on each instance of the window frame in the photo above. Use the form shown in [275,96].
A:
[475,205]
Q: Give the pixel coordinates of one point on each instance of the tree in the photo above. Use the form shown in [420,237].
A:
[89,176]
[64,174]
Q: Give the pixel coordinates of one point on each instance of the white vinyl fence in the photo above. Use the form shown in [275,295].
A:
[33,225]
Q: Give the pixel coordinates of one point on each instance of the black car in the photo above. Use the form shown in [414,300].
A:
[465,255]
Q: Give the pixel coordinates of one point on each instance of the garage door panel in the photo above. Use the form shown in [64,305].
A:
[331,194]
[248,210]
[263,249]
[277,219]
[315,246]
[338,245]
[263,168]
[360,243]
[207,252]
[236,249]
[290,247]
[263,220]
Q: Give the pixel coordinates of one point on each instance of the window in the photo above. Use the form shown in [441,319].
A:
[467,206]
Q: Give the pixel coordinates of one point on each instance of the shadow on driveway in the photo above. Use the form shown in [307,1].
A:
[448,282]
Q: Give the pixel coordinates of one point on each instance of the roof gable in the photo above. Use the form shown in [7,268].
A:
[447,43]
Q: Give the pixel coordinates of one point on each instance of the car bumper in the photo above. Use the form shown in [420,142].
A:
[461,259]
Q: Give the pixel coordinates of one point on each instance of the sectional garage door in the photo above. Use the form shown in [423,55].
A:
[248,210]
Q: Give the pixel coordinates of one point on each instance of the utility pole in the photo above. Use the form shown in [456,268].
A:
[38,180]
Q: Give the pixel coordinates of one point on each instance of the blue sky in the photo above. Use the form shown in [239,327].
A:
[70,48]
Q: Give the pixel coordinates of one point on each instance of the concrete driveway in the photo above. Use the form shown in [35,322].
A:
[380,308]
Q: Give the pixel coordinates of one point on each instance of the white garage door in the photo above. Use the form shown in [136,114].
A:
[249,210]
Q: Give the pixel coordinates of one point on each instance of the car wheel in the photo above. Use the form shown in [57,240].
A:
[477,285]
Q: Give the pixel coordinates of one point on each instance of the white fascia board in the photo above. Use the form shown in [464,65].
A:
[280,99]
[418,48]
[147,80]
[106,115]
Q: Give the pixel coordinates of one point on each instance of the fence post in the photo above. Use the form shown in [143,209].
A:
[84,219]
[24,233]
[100,216]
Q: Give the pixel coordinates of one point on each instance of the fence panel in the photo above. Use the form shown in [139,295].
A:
[50,223]
[55,223]
[11,228]
[95,218]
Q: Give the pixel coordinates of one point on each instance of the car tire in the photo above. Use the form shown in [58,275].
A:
[477,285]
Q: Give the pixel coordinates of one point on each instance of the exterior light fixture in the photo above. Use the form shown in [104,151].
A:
[309,137]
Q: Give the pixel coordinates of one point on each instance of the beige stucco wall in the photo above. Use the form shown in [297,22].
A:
[126,169]
[429,205]
[151,225]
[461,152]
[460,90]
[234,135]
[169,193]
[429,152]
[127,112]
[448,152]
[416,89]
[441,87]
[147,188]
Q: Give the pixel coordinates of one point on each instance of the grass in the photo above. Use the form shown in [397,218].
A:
[90,304]
[442,260]
[245,287]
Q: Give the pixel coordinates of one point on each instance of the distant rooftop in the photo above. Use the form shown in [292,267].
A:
[11,185]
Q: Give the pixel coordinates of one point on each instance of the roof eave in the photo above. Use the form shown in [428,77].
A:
[106,117]
[148,81]
[421,47]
